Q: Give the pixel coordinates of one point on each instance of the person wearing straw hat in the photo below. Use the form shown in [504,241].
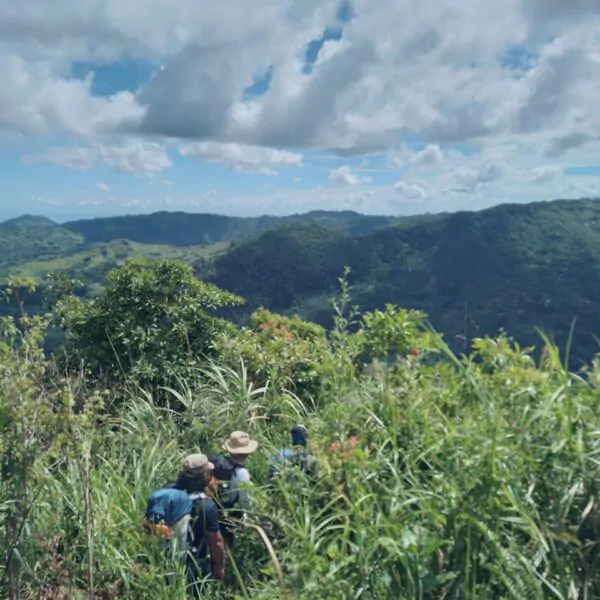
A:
[231,475]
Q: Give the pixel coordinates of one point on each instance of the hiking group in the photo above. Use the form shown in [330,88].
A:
[198,515]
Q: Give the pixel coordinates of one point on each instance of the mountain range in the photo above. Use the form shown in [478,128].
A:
[516,267]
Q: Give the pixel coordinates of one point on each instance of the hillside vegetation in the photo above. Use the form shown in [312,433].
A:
[512,267]
[35,238]
[474,477]
[515,267]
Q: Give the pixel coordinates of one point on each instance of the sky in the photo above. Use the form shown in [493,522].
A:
[284,106]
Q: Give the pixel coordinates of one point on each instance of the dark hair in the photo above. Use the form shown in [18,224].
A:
[190,483]
[299,435]
[353,432]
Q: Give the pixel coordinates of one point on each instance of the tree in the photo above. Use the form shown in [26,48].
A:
[153,322]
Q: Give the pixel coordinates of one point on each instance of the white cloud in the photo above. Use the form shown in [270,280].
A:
[469,178]
[34,99]
[131,156]
[410,190]
[436,73]
[243,157]
[102,187]
[417,75]
[345,176]
[431,154]
[546,174]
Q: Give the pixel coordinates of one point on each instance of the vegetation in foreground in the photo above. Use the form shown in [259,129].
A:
[476,477]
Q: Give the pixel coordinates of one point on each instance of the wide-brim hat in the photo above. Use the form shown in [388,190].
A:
[239,442]
[196,464]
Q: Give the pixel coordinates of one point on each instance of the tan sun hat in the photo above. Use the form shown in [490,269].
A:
[239,442]
[196,464]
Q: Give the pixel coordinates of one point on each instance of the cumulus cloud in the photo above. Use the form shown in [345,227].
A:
[469,178]
[546,174]
[102,187]
[522,76]
[416,76]
[431,154]
[242,157]
[344,176]
[132,156]
[410,191]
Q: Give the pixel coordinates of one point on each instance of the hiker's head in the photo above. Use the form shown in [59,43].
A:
[240,446]
[299,435]
[353,437]
[196,473]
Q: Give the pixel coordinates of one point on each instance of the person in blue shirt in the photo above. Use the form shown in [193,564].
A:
[189,518]
[297,455]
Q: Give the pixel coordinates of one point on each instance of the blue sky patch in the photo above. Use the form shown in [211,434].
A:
[112,78]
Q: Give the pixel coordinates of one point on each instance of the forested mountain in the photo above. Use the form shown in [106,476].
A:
[35,238]
[514,266]
[185,229]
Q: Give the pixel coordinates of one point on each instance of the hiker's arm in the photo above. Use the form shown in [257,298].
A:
[215,542]
[217,552]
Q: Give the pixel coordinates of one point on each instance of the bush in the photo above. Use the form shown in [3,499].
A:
[286,352]
[153,323]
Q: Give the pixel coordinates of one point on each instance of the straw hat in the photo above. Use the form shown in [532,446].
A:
[239,442]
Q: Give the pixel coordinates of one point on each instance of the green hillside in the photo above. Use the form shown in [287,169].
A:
[511,266]
[427,477]
[92,264]
[35,238]
[515,267]
[185,229]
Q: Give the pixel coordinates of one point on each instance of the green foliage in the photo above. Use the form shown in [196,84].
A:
[39,414]
[285,351]
[154,322]
[515,267]
[392,333]
[474,477]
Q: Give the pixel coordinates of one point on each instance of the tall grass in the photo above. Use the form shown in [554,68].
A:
[475,478]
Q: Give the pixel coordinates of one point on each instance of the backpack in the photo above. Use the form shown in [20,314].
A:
[165,516]
[167,506]
[306,462]
[224,471]
[299,458]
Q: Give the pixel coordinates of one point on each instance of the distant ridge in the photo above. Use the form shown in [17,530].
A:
[188,229]
[29,221]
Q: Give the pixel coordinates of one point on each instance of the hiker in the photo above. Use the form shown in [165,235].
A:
[297,455]
[229,474]
[184,514]
[207,544]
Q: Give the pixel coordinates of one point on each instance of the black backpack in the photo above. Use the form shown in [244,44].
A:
[224,471]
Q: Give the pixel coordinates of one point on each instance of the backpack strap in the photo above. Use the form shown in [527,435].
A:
[195,495]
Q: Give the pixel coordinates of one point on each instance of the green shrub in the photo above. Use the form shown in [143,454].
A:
[286,352]
[153,323]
